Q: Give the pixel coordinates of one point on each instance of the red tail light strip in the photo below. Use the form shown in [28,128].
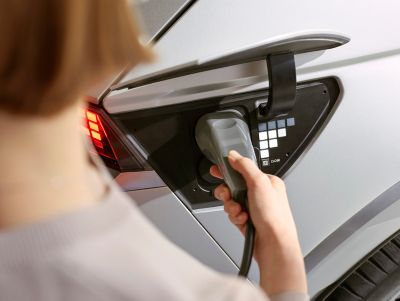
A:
[95,130]
[108,141]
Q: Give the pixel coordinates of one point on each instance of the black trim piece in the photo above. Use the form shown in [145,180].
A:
[282,83]
[332,91]
[328,245]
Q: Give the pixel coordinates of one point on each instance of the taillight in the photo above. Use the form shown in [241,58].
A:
[106,142]
[95,129]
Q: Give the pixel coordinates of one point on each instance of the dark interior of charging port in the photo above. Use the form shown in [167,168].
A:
[167,135]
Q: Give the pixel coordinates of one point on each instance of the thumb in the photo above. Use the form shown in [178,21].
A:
[245,166]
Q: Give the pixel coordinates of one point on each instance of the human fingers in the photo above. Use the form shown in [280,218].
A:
[277,183]
[247,168]
[240,219]
[232,208]
[215,172]
[236,215]
[222,193]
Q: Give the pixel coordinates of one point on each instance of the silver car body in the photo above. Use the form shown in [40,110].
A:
[344,190]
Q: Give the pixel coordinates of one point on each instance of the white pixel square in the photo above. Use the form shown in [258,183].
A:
[272,134]
[264,144]
[262,136]
[264,153]
[273,143]
[282,133]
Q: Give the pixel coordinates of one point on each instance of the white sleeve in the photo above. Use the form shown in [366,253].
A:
[237,289]
[232,288]
[290,297]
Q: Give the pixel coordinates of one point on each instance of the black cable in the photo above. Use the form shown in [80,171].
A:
[248,246]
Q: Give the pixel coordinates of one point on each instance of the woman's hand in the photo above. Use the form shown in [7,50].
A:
[276,244]
[268,203]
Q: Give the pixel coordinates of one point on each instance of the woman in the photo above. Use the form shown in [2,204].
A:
[66,231]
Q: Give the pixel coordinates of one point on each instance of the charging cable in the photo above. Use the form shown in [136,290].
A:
[216,134]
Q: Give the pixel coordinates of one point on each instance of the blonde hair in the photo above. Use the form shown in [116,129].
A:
[52,51]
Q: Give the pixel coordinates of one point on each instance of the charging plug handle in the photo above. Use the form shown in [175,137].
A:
[216,134]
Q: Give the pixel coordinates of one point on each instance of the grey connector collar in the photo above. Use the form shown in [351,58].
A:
[216,134]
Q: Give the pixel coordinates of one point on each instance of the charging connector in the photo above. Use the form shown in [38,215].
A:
[216,134]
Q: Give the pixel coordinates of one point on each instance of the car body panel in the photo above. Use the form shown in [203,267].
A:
[173,219]
[213,27]
[353,159]
[353,249]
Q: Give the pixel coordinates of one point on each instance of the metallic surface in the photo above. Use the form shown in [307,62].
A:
[382,202]
[300,42]
[155,14]
[358,245]
[139,180]
[227,235]
[223,81]
[341,172]
[173,219]
[212,27]
[354,159]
